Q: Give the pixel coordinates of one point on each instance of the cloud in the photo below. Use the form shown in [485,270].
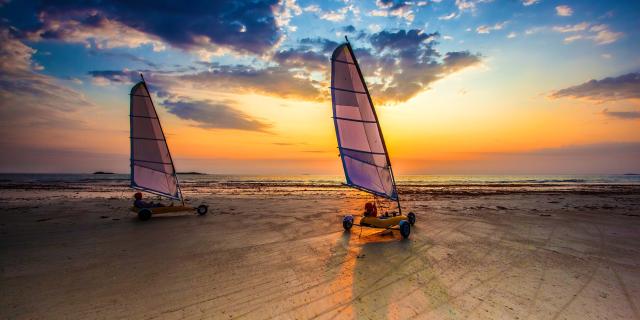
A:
[465,5]
[406,63]
[312,8]
[214,115]
[125,55]
[29,98]
[448,17]
[244,26]
[600,34]
[571,28]
[608,89]
[398,65]
[624,115]
[402,39]
[272,81]
[564,11]
[484,29]
[456,61]
[533,30]
[105,77]
[35,109]
[394,8]
[349,29]
[469,5]
[301,57]
[604,35]
[375,27]
[530,2]
[284,11]
[205,113]
[572,38]
[325,45]
[512,35]
[333,15]
[92,30]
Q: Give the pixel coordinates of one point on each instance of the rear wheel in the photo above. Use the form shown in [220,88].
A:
[347,222]
[405,229]
[412,218]
[144,214]
[202,210]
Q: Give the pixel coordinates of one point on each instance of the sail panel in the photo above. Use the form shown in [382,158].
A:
[151,129]
[360,135]
[364,155]
[152,169]
[150,150]
[349,81]
[379,160]
[375,179]
[155,181]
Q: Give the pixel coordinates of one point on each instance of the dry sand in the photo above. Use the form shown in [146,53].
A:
[539,255]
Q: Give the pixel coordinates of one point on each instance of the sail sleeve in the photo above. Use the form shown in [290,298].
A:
[152,169]
[362,149]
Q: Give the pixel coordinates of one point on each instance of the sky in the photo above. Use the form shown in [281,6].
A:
[460,86]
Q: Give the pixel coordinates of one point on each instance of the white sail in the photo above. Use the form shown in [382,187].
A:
[362,148]
[152,169]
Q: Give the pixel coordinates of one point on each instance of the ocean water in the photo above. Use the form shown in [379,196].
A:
[210,184]
[7,179]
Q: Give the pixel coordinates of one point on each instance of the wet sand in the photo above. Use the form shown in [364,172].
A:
[79,254]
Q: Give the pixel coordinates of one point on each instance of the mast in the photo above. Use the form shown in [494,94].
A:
[131,157]
[373,109]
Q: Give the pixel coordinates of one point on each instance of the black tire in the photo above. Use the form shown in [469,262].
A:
[412,218]
[144,214]
[347,222]
[202,210]
[405,229]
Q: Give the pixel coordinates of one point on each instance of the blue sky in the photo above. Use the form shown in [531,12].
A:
[226,72]
[531,28]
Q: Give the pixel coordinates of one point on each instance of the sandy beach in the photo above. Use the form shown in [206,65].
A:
[264,251]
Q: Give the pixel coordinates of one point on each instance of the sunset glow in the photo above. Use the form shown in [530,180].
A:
[460,86]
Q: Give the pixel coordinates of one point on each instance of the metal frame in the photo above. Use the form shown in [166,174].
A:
[374,227]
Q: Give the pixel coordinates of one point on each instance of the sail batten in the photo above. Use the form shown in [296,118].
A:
[152,168]
[362,149]
[348,90]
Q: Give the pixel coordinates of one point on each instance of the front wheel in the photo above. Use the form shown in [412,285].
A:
[144,214]
[347,222]
[412,218]
[405,229]
[202,210]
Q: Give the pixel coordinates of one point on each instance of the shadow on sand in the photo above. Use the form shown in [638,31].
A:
[380,274]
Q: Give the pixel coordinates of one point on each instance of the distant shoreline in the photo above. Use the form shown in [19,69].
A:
[183,173]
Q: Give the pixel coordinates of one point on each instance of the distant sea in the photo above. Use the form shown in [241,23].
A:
[407,180]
